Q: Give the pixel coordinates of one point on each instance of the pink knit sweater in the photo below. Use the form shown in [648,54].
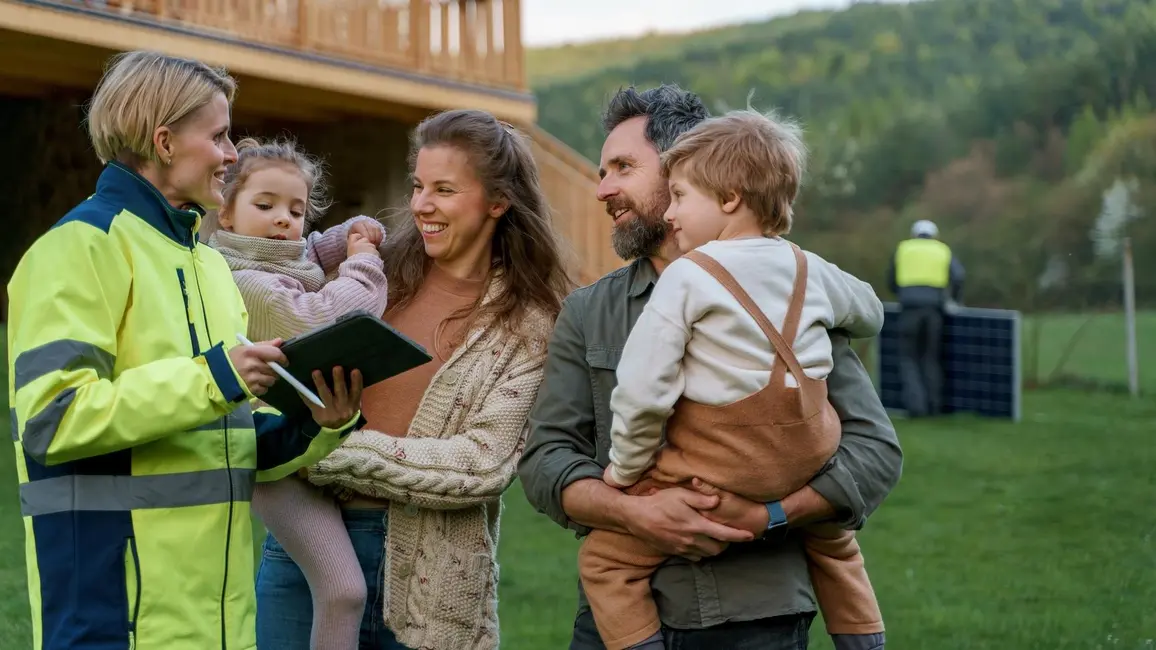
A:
[292,287]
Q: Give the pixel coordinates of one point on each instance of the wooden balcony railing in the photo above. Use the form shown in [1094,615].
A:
[477,41]
[571,184]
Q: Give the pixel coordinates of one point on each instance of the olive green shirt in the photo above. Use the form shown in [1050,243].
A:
[569,440]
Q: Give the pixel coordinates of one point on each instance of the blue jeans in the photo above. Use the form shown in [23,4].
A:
[285,606]
[779,633]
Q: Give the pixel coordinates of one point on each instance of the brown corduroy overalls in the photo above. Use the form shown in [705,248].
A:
[762,447]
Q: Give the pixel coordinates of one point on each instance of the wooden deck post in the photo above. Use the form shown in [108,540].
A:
[512,43]
[419,34]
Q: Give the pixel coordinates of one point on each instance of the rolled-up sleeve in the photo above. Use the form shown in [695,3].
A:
[561,447]
[869,461]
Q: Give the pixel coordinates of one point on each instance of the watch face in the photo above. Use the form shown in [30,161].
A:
[776,533]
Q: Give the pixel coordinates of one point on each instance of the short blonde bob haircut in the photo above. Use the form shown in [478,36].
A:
[142,91]
[758,157]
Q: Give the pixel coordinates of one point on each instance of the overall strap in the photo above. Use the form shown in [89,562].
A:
[795,308]
[784,354]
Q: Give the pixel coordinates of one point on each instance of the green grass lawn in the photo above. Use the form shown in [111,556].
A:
[1097,348]
[1002,536]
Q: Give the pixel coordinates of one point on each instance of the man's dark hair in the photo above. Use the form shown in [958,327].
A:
[670,111]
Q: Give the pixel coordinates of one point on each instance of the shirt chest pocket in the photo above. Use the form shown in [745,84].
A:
[603,362]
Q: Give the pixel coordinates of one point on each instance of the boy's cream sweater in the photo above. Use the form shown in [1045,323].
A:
[694,339]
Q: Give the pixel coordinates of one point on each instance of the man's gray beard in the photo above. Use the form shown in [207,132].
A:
[644,235]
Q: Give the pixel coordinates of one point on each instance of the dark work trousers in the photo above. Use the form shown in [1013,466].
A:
[921,343]
[779,633]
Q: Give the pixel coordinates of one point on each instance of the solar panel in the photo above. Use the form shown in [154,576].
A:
[981,362]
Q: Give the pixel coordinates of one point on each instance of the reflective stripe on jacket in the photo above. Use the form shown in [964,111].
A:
[137,446]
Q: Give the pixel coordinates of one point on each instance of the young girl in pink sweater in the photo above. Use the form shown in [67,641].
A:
[292,284]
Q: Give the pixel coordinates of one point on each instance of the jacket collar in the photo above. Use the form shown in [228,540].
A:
[129,190]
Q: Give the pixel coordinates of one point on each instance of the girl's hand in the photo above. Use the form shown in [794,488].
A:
[340,403]
[358,243]
[367,231]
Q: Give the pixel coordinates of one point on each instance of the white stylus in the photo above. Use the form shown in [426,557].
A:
[287,377]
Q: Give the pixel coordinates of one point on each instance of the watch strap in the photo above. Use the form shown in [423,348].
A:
[777,517]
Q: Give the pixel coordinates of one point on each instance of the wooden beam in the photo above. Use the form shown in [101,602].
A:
[352,85]
[37,62]
[260,96]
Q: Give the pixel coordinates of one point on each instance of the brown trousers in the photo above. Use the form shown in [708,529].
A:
[762,447]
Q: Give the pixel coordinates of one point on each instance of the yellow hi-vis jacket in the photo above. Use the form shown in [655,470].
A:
[924,273]
[922,263]
[137,447]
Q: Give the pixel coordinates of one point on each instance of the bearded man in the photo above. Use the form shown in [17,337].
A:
[731,585]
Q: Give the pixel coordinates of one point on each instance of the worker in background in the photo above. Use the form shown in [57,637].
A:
[926,278]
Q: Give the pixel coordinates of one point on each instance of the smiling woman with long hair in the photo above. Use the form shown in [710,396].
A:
[476,276]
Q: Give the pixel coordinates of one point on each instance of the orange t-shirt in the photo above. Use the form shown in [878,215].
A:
[389,406]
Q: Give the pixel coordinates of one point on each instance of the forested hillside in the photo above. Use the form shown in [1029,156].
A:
[1005,121]
[553,63]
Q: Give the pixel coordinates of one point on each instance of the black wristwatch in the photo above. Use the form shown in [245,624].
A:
[776,521]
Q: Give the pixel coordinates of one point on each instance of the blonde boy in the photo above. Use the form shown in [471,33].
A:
[730,355]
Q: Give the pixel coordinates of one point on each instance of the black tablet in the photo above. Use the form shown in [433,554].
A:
[356,340]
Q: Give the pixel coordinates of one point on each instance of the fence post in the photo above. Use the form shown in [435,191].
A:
[1130,321]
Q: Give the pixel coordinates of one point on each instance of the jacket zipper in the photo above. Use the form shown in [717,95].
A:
[130,554]
[228,465]
[189,311]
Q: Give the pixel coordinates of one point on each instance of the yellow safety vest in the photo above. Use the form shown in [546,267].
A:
[137,444]
[923,263]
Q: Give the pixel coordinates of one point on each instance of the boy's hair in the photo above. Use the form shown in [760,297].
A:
[761,158]
[254,155]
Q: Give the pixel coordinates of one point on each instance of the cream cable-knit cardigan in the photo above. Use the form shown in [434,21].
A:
[444,481]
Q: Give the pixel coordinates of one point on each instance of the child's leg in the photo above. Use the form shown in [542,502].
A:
[840,580]
[308,525]
[615,570]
